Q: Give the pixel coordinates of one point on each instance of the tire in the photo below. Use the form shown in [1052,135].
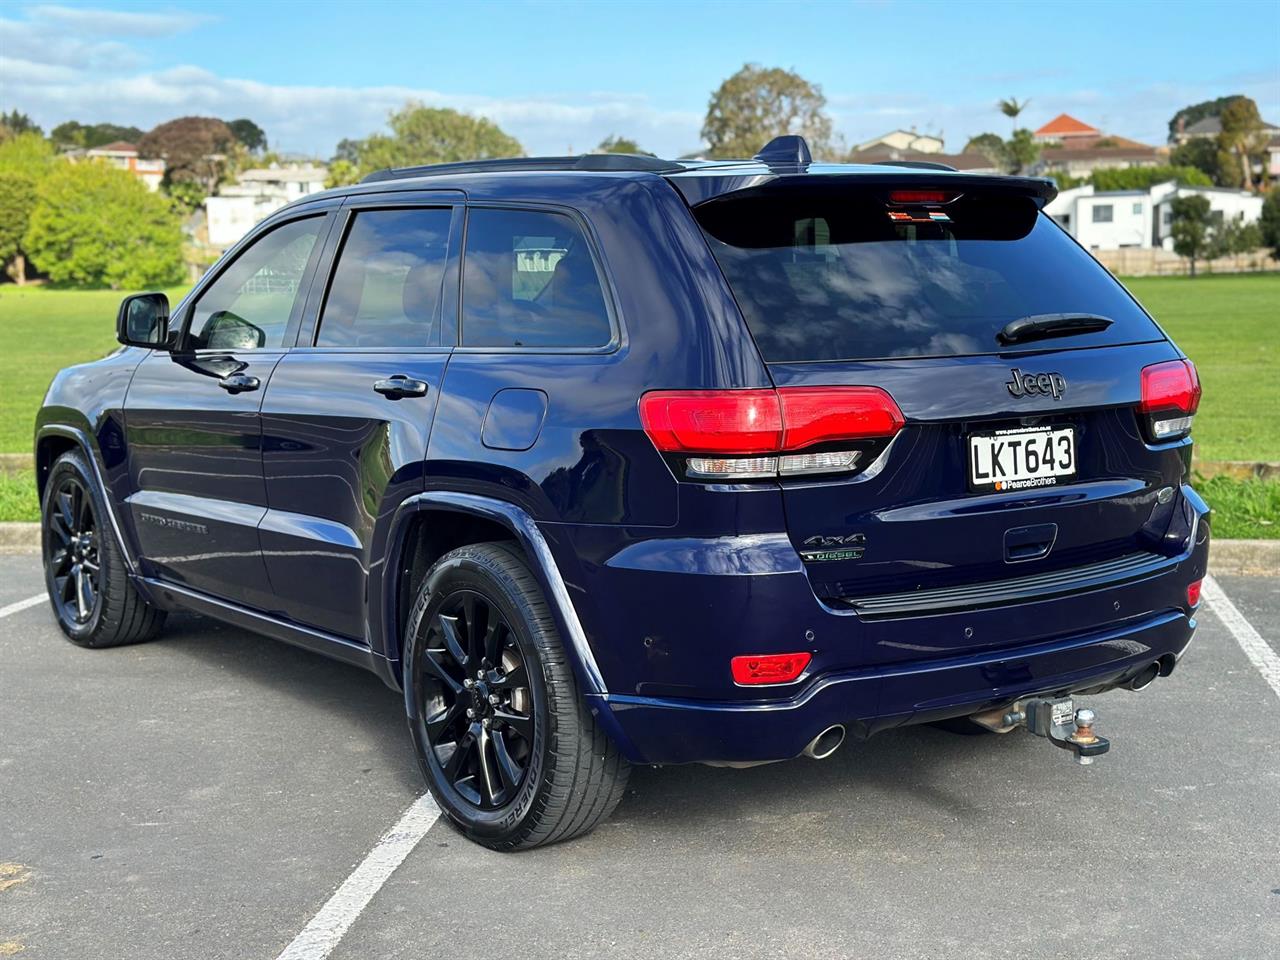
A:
[92,597]
[533,768]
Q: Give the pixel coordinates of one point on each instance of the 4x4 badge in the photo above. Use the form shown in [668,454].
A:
[1028,384]
[849,547]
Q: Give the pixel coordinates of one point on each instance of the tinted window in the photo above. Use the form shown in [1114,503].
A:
[249,305]
[386,288]
[828,275]
[529,281]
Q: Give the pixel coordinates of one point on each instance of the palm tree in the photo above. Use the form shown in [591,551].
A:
[1011,108]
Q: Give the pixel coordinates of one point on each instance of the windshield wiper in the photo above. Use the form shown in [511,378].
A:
[1041,326]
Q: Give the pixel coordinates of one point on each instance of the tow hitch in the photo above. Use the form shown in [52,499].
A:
[1054,718]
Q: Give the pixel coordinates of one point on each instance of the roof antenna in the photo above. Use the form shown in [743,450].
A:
[789,150]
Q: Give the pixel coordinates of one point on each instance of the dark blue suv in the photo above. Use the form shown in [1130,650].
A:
[613,460]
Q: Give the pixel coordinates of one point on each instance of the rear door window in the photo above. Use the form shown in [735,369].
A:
[529,280]
[829,275]
[386,289]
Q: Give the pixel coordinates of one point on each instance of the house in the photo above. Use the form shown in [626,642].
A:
[1208,128]
[1118,219]
[1073,147]
[972,162]
[903,140]
[255,195]
[125,157]
[1066,129]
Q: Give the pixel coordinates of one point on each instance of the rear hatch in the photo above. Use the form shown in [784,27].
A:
[1024,467]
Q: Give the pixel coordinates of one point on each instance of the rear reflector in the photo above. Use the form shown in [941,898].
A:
[1170,398]
[768,668]
[1193,593]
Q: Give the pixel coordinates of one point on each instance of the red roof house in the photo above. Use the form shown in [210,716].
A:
[1066,128]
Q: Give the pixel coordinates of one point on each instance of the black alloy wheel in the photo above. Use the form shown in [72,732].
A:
[474,700]
[71,551]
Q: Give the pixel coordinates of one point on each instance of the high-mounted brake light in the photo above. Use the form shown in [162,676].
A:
[750,434]
[921,196]
[1170,398]
[768,668]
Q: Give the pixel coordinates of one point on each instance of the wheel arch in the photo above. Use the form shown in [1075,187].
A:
[430,524]
[55,439]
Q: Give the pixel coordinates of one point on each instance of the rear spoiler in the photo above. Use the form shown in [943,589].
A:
[707,184]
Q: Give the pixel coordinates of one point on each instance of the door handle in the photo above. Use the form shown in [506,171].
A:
[239,383]
[400,386]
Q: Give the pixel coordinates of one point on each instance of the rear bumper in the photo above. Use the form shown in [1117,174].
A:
[1103,638]
[651,730]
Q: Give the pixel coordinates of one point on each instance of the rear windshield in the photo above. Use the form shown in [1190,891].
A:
[832,276]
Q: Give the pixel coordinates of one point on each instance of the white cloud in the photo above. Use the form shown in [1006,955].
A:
[313,118]
[118,23]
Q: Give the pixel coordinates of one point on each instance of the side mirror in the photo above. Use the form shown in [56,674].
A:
[143,321]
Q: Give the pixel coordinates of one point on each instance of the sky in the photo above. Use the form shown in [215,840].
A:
[561,76]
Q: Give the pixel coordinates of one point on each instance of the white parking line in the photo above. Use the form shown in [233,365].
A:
[1255,648]
[321,935]
[23,604]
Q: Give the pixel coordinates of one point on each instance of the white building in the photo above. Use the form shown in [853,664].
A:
[255,195]
[124,156]
[1115,219]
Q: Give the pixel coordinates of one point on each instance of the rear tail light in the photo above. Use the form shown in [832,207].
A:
[1170,398]
[1193,593]
[753,434]
[768,668]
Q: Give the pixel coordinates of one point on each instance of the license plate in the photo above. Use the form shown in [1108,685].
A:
[1021,458]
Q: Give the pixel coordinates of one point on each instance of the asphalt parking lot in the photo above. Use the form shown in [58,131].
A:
[204,796]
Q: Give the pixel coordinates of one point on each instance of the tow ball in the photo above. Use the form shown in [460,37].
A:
[1057,720]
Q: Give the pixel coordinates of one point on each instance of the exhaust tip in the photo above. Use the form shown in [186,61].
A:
[1145,676]
[826,743]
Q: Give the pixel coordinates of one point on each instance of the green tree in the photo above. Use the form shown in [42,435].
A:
[1197,112]
[757,104]
[348,150]
[616,144]
[1269,222]
[248,133]
[1011,108]
[341,173]
[95,225]
[991,146]
[1234,236]
[1022,150]
[1201,153]
[25,160]
[29,154]
[18,123]
[1241,135]
[17,200]
[1142,178]
[1191,234]
[75,134]
[193,148]
[421,134]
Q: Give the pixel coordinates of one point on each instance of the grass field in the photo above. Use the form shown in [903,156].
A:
[42,331]
[1229,325]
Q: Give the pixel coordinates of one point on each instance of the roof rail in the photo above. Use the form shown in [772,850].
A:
[586,162]
[917,164]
